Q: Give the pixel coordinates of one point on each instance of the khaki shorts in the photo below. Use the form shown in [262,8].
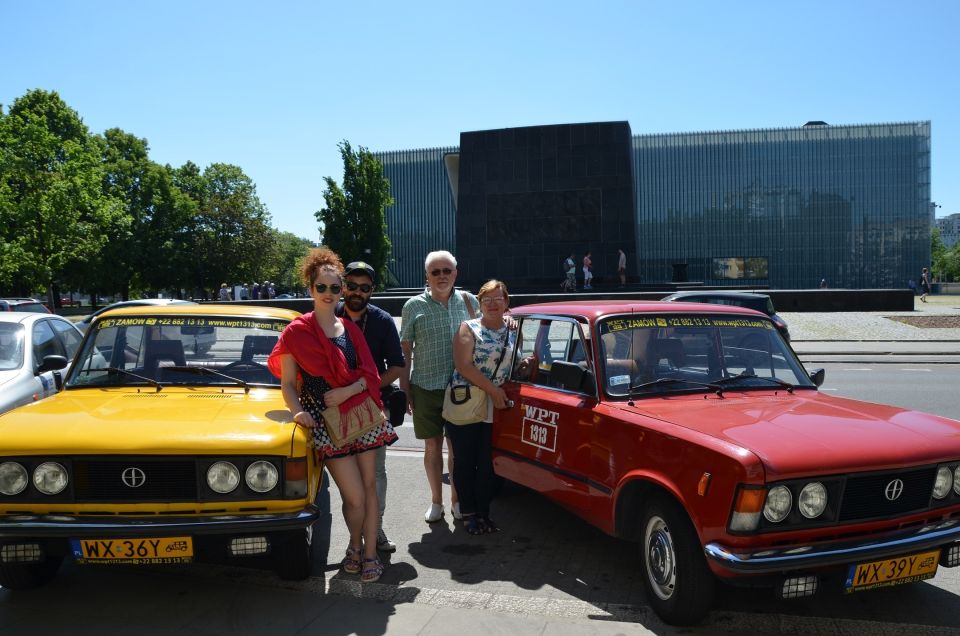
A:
[427,412]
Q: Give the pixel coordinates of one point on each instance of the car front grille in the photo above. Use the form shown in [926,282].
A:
[162,480]
[866,497]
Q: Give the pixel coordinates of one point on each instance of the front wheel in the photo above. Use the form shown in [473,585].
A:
[293,554]
[679,585]
[23,576]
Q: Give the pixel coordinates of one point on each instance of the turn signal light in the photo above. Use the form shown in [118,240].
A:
[746,509]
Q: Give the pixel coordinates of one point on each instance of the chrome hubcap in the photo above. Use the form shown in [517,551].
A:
[660,557]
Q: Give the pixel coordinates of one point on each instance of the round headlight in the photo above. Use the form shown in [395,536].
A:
[956,480]
[223,477]
[50,478]
[941,487]
[778,504]
[13,478]
[812,500]
[262,476]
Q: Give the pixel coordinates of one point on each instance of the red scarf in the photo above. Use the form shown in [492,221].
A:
[316,354]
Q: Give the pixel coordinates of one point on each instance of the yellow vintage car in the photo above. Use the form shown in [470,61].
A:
[159,450]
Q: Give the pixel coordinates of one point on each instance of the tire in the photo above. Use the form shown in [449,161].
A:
[293,554]
[679,585]
[24,576]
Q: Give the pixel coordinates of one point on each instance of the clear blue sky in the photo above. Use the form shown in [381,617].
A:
[274,86]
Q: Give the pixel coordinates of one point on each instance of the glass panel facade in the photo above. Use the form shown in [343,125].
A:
[786,207]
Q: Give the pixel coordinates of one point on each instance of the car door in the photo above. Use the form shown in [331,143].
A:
[44,342]
[544,440]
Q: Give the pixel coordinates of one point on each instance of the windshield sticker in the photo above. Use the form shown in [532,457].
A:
[539,427]
[653,322]
[617,380]
[192,321]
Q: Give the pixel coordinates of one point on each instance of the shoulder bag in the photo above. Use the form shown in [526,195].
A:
[354,423]
[467,403]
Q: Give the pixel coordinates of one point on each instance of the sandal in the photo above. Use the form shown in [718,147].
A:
[488,526]
[372,570]
[351,562]
[473,524]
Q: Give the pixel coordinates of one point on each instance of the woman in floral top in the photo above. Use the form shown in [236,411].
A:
[481,350]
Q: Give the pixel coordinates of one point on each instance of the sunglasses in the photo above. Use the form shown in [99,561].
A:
[364,287]
[322,288]
[446,271]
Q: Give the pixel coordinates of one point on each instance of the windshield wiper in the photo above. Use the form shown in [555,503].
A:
[149,381]
[753,376]
[206,371]
[662,381]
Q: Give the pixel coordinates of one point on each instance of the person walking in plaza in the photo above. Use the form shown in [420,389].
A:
[380,332]
[570,274]
[224,292]
[924,284]
[430,321]
[324,363]
[622,268]
[479,350]
[587,271]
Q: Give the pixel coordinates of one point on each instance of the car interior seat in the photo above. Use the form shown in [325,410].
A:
[162,350]
[257,346]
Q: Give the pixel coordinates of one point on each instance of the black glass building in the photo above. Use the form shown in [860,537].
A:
[782,208]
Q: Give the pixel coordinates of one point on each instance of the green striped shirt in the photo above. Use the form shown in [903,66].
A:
[430,326]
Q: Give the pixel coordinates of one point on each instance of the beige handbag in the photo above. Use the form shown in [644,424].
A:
[344,428]
[464,404]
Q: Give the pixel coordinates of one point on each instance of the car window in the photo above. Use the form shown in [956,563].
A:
[33,307]
[45,342]
[11,346]
[69,338]
[542,342]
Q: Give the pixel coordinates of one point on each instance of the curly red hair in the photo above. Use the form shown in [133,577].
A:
[317,259]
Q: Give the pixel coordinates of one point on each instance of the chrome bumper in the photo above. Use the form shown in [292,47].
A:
[76,527]
[840,553]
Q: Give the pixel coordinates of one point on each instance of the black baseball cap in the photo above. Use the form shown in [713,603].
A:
[360,267]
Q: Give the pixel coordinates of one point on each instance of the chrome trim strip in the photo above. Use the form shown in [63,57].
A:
[811,556]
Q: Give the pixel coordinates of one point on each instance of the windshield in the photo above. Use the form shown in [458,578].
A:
[646,355]
[11,346]
[166,350]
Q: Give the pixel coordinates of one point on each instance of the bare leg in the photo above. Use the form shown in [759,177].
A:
[366,463]
[346,473]
[433,465]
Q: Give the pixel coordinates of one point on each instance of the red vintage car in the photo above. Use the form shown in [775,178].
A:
[694,430]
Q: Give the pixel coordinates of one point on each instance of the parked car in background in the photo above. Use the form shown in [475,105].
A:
[153,454]
[694,431]
[34,349]
[84,324]
[23,304]
[757,302]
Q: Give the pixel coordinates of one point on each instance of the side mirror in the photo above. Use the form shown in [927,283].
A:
[818,376]
[52,363]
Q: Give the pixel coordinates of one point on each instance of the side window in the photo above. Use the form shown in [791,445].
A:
[45,342]
[541,343]
[69,337]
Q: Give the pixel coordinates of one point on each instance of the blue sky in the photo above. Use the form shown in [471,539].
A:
[274,86]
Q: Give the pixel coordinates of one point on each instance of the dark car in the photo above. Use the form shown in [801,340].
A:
[757,302]
[23,304]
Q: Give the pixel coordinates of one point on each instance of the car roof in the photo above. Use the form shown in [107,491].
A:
[718,294]
[211,309]
[27,316]
[593,309]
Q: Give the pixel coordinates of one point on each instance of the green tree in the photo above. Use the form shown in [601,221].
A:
[938,253]
[52,211]
[282,264]
[353,223]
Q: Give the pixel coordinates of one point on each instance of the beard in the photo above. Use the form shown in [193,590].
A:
[356,303]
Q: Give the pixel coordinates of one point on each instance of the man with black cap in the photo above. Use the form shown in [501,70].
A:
[380,332]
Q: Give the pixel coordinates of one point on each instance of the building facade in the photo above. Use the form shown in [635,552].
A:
[782,208]
[949,230]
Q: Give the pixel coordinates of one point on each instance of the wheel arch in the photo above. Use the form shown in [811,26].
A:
[633,495]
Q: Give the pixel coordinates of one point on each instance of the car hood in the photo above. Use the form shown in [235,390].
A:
[174,421]
[812,433]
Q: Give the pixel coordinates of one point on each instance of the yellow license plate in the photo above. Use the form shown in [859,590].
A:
[895,571]
[133,551]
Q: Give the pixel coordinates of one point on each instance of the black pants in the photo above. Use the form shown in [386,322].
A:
[472,465]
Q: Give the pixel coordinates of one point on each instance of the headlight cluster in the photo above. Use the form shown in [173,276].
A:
[223,477]
[948,478]
[50,478]
[811,502]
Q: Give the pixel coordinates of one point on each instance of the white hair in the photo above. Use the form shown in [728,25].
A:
[439,255]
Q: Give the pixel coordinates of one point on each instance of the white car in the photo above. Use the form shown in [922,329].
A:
[35,349]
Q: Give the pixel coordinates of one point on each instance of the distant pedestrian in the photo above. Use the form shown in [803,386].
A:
[244,292]
[924,285]
[224,292]
[569,283]
[587,271]
[255,291]
[823,283]
[273,291]
[622,268]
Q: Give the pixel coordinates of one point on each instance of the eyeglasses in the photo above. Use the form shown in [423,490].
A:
[446,271]
[486,300]
[364,287]
[322,288]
